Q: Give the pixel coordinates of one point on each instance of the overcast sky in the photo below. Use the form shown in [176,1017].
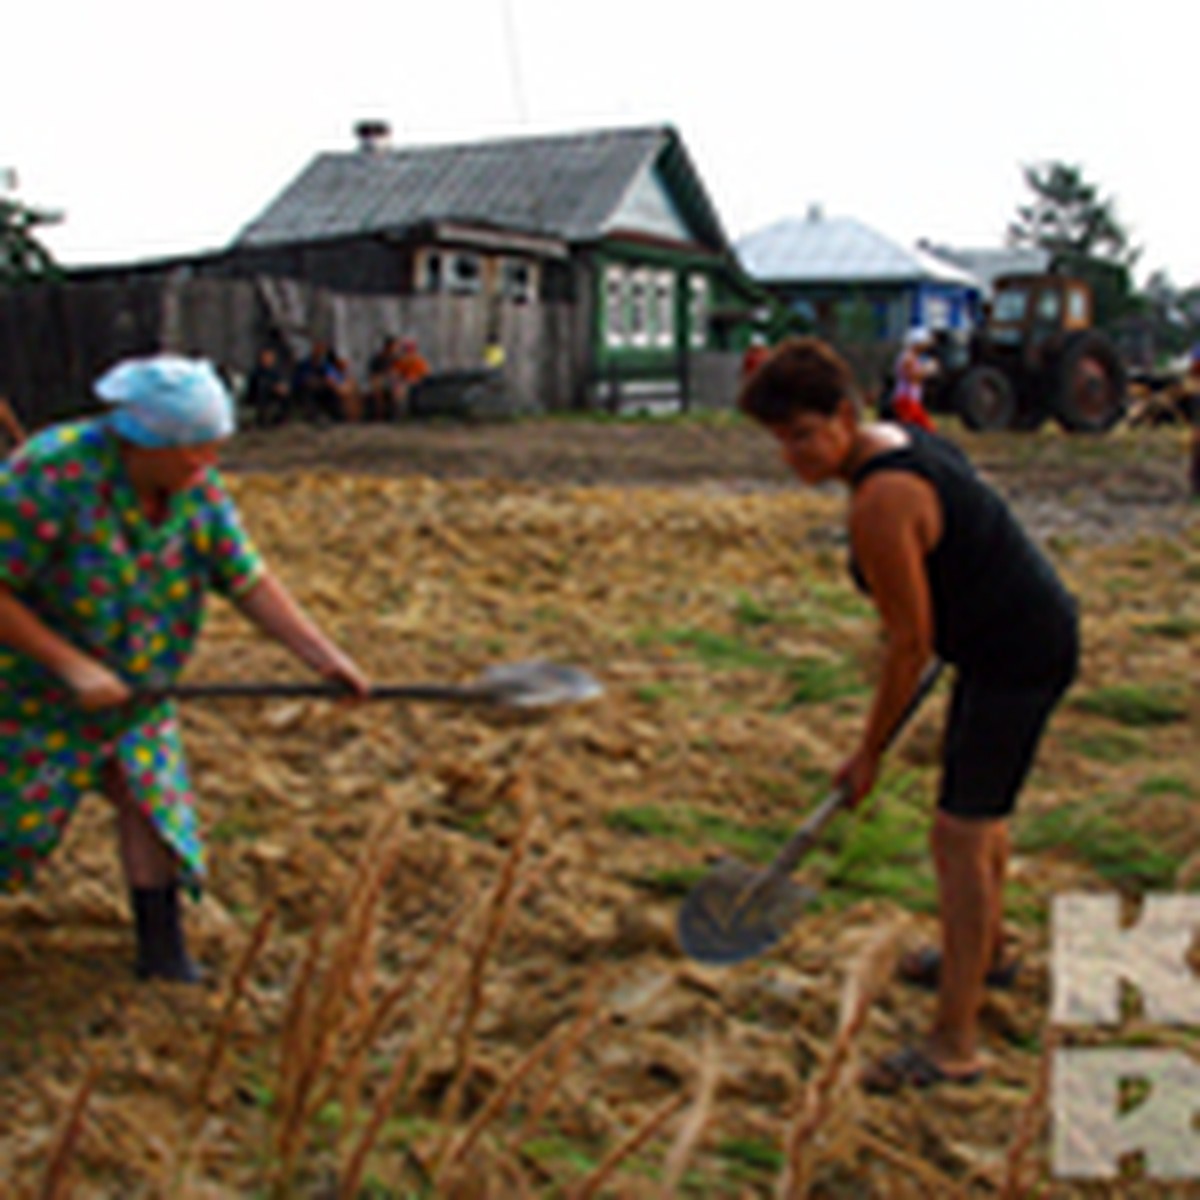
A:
[161,128]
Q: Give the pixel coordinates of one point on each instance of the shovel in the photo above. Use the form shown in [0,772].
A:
[524,685]
[737,911]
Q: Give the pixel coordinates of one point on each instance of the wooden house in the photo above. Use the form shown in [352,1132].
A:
[593,265]
[595,260]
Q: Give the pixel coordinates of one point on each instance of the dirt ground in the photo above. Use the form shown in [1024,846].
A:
[441,940]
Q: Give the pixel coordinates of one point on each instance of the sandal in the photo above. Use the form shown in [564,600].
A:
[912,1067]
[923,968]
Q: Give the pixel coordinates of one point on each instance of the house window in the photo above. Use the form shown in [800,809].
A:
[937,312]
[614,307]
[664,308]
[639,307]
[698,309]
[516,281]
[463,275]
[429,275]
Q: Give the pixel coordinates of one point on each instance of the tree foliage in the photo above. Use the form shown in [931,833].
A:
[1079,229]
[23,257]
[1069,219]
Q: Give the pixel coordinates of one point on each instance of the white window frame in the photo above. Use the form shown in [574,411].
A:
[639,307]
[699,303]
[663,307]
[615,297]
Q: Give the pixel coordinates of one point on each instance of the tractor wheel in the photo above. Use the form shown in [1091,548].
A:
[1089,391]
[985,400]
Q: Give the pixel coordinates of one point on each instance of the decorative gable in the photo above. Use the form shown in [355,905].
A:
[647,207]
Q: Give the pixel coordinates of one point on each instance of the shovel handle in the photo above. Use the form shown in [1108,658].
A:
[406,691]
[799,844]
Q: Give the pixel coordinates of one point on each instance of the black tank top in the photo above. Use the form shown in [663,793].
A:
[999,606]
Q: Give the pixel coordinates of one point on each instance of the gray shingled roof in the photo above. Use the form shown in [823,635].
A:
[819,249]
[987,265]
[563,186]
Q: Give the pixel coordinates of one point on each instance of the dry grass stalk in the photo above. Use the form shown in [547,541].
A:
[591,1184]
[585,1022]
[692,1126]
[437,1007]
[316,1026]
[872,967]
[54,1182]
[1029,1121]
[498,913]
[347,1075]
[367,1032]
[217,1047]
[237,987]
[933,1181]
[495,1103]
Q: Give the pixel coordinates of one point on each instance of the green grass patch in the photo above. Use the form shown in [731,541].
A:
[748,1152]
[882,852]
[720,651]
[1088,832]
[753,614]
[1177,628]
[1141,705]
[1112,746]
[695,827]
[820,680]
[1166,785]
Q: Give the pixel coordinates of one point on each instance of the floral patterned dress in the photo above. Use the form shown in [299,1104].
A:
[76,547]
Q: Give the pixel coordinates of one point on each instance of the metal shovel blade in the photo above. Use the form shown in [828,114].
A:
[539,684]
[737,912]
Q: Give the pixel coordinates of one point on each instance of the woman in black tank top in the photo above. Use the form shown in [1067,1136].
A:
[952,575]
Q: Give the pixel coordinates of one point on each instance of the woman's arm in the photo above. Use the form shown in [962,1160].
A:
[21,629]
[10,423]
[270,606]
[895,521]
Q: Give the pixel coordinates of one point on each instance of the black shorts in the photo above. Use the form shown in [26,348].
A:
[992,735]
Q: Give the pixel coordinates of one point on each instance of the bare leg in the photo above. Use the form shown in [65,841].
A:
[1000,856]
[150,871]
[147,860]
[966,856]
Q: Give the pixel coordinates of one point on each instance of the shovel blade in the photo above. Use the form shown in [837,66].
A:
[737,912]
[539,684]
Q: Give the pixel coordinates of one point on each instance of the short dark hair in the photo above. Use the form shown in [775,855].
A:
[802,374]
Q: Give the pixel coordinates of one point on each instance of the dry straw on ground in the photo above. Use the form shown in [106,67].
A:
[443,942]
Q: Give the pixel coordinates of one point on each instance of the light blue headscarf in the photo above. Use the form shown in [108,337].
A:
[167,401]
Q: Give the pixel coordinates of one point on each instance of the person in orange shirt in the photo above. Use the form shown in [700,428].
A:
[411,364]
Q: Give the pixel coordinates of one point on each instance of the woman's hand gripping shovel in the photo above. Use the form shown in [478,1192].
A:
[737,912]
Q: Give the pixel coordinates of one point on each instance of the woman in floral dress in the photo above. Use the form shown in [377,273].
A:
[111,532]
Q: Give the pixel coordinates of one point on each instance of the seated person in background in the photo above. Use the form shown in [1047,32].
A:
[267,394]
[913,368]
[12,432]
[385,391]
[410,366]
[322,385]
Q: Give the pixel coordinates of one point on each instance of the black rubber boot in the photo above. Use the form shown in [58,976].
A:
[161,952]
